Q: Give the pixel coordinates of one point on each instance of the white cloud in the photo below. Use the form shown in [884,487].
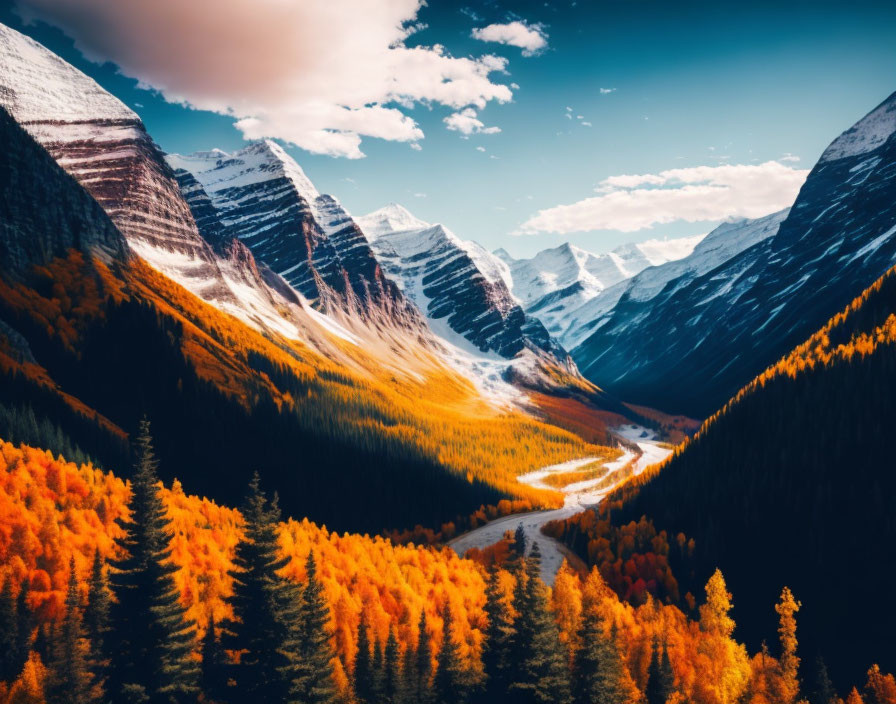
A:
[420,195]
[790,158]
[466,122]
[585,123]
[480,149]
[606,91]
[632,202]
[322,74]
[531,38]
[416,147]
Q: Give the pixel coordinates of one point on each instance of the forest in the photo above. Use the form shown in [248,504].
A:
[797,472]
[136,592]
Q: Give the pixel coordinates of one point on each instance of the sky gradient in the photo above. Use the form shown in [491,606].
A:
[661,86]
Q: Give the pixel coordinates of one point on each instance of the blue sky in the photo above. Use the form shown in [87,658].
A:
[693,84]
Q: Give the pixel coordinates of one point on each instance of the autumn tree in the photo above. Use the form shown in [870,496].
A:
[149,644]
[497,649]
[265,605]
[9,661]
[70,678]
[542,674]
[786,609]
[724,661]
[879,688]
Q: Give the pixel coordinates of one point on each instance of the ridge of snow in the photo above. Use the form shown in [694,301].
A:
[866,135]
[37,83]
[388,219]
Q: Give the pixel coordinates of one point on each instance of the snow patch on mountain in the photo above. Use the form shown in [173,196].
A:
[866,135]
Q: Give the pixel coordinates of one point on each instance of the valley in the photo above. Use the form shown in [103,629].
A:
[578,496]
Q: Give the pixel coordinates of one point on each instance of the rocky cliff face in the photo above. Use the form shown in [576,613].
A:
[461,288]
[689,344]
[263,198]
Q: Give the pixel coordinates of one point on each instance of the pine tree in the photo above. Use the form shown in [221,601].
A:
[378,673]
[364,688]
[497,650]
[392,683]
[265,605]
[215,666]
[599,671]
[409,678]
[70,678]
[450,685]
[9,665]
[660,679]
[542,676]
[423,670]
[823,691]
[519,542]
[24,629]
[149,644]
[309,649]
[96,622]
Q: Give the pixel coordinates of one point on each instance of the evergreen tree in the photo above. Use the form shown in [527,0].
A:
[364,688]
[150,640]
[24,629]
[409,677]
[9,662]
[215,666]
[660,679]
[378,673]
[423,670]
[497,650]
[392,683]
[96,621]
[599,671]
[450,684]
[542,676]
[310,652]
[519,542]
[265,605]
[823,691]
[70,678]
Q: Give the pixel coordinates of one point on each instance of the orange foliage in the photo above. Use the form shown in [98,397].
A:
[436,413]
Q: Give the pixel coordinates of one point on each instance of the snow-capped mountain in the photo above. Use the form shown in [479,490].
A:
[104,145]
[262,196]
[557,281]
[688,343]
[724,242]
[461,287]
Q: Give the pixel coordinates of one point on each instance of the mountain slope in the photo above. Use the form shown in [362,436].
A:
[691,346]
[556,282]
[457,284]
[798,472]
[262,196]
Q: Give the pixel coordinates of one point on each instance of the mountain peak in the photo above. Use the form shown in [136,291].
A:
[390,219]
[38,86]
[259,161]
[866,135]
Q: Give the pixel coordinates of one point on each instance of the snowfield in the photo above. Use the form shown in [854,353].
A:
[579,496]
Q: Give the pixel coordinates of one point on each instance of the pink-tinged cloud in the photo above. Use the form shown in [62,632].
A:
[322,74]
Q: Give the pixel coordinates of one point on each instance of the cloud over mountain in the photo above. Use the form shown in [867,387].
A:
[322,74]
[632,202]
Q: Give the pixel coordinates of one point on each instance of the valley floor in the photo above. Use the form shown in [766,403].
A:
[579,496]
